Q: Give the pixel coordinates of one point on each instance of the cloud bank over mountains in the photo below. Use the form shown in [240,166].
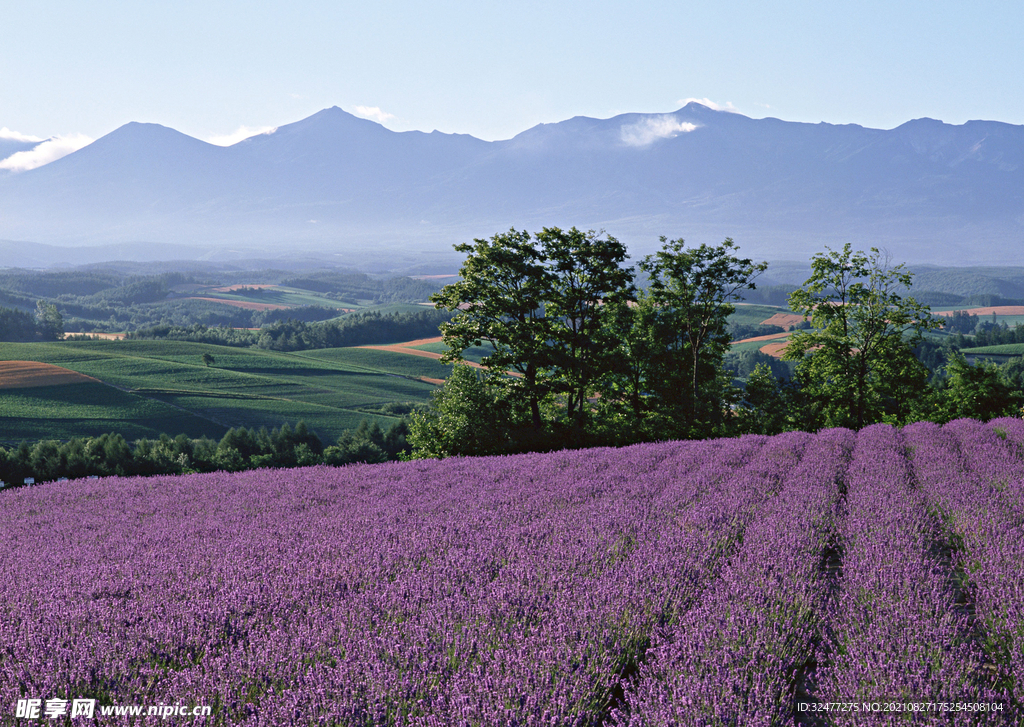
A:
[39,152]
[8,135]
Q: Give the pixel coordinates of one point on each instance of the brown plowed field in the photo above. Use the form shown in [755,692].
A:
[999,310]
[785,320]
[774,349]
[25,374]
[248,305]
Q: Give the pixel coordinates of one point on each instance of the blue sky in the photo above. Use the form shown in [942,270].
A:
[212,68]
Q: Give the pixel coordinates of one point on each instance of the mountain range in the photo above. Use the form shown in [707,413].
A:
[350,190]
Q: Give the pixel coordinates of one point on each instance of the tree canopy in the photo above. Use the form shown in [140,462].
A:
[856,362]
[593,359]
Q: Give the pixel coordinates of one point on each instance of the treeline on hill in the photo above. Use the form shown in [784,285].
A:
[239,449]
[110,300]
[582,357]
[18,325]
[354,329]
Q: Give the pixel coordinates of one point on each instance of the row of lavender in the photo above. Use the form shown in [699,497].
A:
[971,474]
[683,583]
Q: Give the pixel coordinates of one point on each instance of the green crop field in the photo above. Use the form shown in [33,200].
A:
[390,362]
[1007,349]
[91,409]
[279,295]
[753,315]
[163,386]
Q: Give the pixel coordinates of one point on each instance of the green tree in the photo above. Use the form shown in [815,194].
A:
[469,415]
[688,304]
[977,391]
[500,297]
[542,302]
[625,400]
[587,281]
[763,408]
[208,359]
[856,362]
[49,321]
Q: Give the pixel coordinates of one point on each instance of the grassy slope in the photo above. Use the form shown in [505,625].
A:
[390,362]
[290,297]
[91,409]
[753,345]
[1006,349]
[244,387]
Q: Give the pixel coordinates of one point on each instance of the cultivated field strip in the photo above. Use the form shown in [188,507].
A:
[680,583]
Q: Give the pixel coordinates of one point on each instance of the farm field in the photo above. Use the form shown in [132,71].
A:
[1007,349]
[677,583]
[265,296]
[1011,315]
[759,343]
[152,387]
[753,314]
[378,359]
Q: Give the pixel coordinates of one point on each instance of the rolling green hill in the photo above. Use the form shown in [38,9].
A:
[152,387]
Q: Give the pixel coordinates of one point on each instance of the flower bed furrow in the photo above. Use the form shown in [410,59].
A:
[974,478]
[896,634]
[735,659]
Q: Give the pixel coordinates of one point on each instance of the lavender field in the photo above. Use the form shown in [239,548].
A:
[686,583]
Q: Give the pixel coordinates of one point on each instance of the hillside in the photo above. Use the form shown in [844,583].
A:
[147,388]
[742,580]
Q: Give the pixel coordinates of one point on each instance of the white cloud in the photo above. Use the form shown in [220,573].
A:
[653,128]
[374,114]
[240,134]
[6,133]
[47,151]
[710,104]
